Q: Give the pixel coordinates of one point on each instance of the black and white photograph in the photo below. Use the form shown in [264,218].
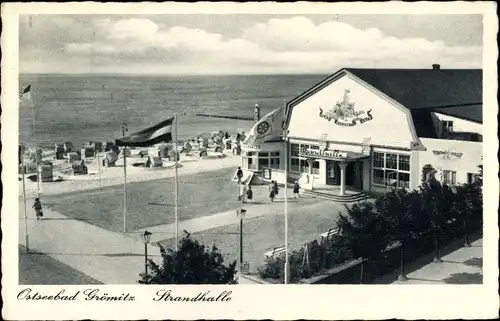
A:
[219,149]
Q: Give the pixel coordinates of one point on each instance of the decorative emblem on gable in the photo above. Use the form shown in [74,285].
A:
[344,113]
[447,154]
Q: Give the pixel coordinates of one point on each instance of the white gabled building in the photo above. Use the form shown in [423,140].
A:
[373,129]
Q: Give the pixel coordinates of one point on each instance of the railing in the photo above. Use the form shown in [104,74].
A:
[277,251]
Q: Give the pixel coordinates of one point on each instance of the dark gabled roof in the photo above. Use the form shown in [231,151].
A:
[471,112]
[455,92]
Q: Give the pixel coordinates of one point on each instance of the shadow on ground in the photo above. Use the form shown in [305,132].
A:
[464,278]
[428,259]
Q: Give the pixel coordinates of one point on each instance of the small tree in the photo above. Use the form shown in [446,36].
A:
[363,233]
[463,207]
[437,201]
[192,263]
[428,174]
[398,208]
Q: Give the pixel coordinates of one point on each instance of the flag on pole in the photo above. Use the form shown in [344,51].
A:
[161,132]
[25,93]
[267,128]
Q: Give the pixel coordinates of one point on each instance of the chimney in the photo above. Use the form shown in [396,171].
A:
[436,67]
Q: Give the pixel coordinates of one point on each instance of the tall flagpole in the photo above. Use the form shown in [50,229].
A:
[285,134]
[26,235]
[124,128]
[37,161]
[176,185]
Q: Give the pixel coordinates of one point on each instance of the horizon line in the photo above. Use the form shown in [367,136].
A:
[173,74]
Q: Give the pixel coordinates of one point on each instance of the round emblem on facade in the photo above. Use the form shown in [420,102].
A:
[262,127]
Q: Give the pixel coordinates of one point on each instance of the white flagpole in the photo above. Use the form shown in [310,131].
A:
[37,161]
[285,133]
[26,235]
[124,189]
[124,127]
[176,186]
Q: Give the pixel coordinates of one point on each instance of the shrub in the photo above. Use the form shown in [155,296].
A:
[192,263]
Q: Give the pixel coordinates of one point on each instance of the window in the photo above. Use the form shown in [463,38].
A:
[299,164]
[315,169]
[249,161]
[404,162]
[391,161]
[448,125]
[261,160]
[472,178]
[378,159]
[450,178]
[275,162]
[391,170]
[295,167]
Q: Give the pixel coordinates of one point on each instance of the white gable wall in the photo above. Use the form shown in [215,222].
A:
[390,125]
[470,156]
[461,125]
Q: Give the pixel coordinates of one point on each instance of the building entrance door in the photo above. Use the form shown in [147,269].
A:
[358,175]
[350,174]
[332,173]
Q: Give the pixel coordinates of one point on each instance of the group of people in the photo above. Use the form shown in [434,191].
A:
[246,193]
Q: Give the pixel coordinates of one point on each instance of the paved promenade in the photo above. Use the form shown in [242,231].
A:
[115,258]
[106,256]
[459,266]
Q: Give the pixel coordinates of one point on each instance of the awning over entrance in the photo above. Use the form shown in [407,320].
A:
[335,155]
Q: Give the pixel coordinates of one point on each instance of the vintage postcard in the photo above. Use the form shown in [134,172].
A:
[249,161]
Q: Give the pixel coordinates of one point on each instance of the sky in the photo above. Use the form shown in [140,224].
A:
[245,44]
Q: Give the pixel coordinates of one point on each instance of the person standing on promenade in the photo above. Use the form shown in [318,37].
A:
[296,189]
[271,191]
[38,209]
[249,194]
[239,174]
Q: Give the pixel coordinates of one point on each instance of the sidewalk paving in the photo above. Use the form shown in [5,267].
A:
[115,258]
[461,266]
[106,256]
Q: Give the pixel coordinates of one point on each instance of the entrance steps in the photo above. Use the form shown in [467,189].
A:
[333,195]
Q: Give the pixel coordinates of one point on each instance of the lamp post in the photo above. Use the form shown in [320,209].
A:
[402,275]
[241,216]
[146,237]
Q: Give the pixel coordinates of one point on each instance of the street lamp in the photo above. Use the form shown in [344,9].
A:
[241,216]
[146,237]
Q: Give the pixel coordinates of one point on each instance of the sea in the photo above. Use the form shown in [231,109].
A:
[83,108]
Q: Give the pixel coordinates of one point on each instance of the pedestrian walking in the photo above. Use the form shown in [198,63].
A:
[276,188]
[239,174]
[38,209]
[271,191]
[243,191]
[296,189]
[249,194]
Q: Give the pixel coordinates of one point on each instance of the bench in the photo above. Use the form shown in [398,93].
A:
[277,251]
[331,232]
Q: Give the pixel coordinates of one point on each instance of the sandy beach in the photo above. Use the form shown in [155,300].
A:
[110,176]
